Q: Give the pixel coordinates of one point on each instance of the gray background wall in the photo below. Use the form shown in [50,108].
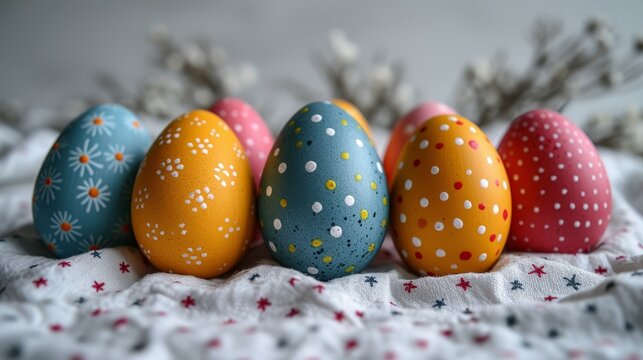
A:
[51,50]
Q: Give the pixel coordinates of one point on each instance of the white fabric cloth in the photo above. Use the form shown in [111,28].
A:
[111,304]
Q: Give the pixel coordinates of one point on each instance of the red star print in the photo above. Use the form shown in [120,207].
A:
[319,288]
[120,322]
[293,312]
[351,344]
[124,267]
[263,303]
[292,281]
[447,333]
[339,316]
[229,322]
[481,339]
[421,343]
[40,282]
[64,264]
[538,270]
[188,301]
[214,343]
[359,314]
[98,286]
[409,286]
[600,270]
[463,284]
[550,298]
[55,327]
[96,312]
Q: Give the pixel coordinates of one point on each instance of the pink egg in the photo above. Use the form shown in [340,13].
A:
[559,187]
[405,128]
[250,128]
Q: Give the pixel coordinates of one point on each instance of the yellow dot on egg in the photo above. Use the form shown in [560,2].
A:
[358,177]
[349,269]
[363,214]
[383,223]
[344,122]
[291,248]
[297,130]
[283,203]
[316,243]
[327,259]
[299,144]
[371,247]
[291,123]
[345,155]
[330,185]
[373,185]
[304,110]
[384,201]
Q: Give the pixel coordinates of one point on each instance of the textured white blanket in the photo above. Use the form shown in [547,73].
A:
[111,304]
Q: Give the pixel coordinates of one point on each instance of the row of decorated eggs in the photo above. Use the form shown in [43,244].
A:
[323,199]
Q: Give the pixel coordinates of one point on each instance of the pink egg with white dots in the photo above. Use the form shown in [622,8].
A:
[250,128]
[561,194]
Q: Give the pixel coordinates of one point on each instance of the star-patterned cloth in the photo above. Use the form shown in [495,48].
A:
[111,303]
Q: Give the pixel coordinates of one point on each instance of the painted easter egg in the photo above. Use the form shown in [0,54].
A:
[193,206]
[405,128]
[560,190]
[251,130]
[323,205]
[82,192]
[353,111]
[451,199]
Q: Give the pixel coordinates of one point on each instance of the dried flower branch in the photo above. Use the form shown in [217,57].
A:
[621,132]
[377,89]
[562,69]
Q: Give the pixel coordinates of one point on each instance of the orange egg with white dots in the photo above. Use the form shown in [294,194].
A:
[451,202]
[193,198]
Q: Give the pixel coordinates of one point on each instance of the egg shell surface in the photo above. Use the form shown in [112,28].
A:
[323,205]
[250,128]
[405,128]
[82,192]
[561,192]
[353,111]
[192,206]
[451,199]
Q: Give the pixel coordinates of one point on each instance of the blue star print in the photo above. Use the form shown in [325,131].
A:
[572,282]
[439,303]
[96,254]
[371,280]
[516,285]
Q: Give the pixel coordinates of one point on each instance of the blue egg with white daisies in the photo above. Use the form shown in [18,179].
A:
[81,199]
[323,202]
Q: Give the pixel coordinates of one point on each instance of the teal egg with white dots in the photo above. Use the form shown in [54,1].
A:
[81,199]
[323,200]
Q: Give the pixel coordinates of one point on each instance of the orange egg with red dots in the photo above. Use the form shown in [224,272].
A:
[451,201]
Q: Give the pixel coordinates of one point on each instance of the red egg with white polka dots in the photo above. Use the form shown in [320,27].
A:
[559,186]
[250,128]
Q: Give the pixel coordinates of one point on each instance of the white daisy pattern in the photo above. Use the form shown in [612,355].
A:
[85,159]
[117,159]
[65,227]
[198,199]
[200,146]
[56,148]
[92,243]
[48,184]
[169,135]
[139,199]
[94,195]
[99,124]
